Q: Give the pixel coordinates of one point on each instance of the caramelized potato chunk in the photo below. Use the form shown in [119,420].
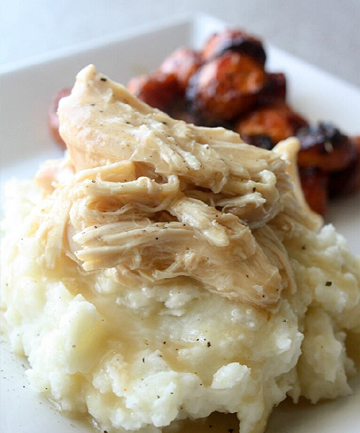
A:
[276,121]
[275,88]
[233,40]
[346,181]
[178,111]
[261,140]
[182,64]
[225,88]
[314,183]
[158,90]
[53,119]
[325,147]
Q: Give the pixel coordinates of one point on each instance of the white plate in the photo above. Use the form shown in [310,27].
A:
[25,92]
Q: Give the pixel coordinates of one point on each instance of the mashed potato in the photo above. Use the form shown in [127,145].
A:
[164,271]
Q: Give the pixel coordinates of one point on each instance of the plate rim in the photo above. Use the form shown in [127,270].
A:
[101,41]
[186,18]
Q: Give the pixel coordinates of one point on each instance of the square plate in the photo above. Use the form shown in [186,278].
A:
[25,93]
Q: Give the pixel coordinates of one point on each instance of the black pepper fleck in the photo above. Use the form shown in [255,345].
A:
[208,344]
[328,283]
[103,79]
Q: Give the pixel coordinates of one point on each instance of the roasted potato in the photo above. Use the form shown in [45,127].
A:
[226,87]
[182,64]
[325,147]
[276,121]
[233,40]
[157,89]
[314,183]
[346,181]
[275,89]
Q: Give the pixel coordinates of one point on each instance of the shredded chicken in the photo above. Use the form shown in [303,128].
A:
[160,199]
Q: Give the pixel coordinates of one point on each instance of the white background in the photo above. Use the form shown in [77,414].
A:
[323,32]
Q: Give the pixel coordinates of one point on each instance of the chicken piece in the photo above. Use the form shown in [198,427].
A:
[346,181]
[276,121]
[193,245]
[325,147]
[53,119]
[182,64]
[200,156]
[233,40]
[225,88]
[135,163]
[157,89]
[314,183]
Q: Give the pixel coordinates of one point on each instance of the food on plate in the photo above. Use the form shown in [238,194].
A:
[226,87]
[232,88]
[269,124]
[275,89]
[233,40]
[226,84]
[323,146]
[182,63]
[314,183]
[167,85]
[347,180]
[160,90]
[163,271]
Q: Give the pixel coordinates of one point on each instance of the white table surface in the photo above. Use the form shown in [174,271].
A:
[323,32]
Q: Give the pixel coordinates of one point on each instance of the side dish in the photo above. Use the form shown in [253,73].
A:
[163,271]
[226,84]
